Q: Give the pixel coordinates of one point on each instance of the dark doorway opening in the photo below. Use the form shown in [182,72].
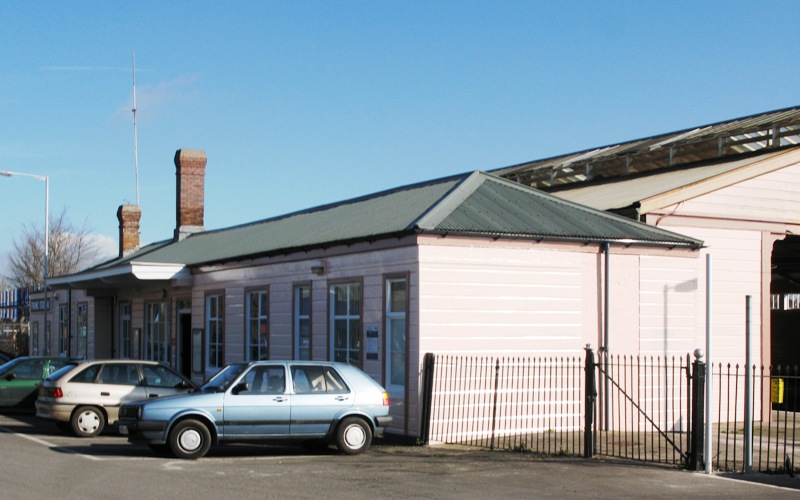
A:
[785,290]
[185,347]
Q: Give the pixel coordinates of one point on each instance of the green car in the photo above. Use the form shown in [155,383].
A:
[20,379]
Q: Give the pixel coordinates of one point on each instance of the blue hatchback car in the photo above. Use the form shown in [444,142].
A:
[306,400]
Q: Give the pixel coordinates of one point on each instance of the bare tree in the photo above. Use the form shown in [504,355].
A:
[72,249]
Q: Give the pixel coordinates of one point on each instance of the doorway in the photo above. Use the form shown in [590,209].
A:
[185,343]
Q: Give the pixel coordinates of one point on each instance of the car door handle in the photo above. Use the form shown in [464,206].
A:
[279,399]
[341,398]
[153,396]
[105,393]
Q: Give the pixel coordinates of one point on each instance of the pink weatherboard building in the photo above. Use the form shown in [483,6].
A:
[472,264]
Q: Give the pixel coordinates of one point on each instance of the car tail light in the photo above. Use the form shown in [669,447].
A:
[385,398]
[53,392]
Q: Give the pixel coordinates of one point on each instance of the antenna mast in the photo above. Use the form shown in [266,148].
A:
[135,139]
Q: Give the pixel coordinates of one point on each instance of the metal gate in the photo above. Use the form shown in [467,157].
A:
[638,408]
[643,409]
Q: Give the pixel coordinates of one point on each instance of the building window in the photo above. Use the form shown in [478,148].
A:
[63,328]
[257,325]
[125,330]
[396,333]
[345,322]
[302,322]
[776,301]
[35,337]
[83,329]
[791,301]
[215,328]
[155,332]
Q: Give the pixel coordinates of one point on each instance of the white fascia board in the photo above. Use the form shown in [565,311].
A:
[141,271]
[150,271]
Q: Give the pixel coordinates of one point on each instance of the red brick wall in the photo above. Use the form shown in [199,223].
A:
[129,217]
[190,170]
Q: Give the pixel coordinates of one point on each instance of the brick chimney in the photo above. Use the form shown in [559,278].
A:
[190,170]
[128,216]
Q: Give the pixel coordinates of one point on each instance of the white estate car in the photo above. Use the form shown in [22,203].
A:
[84,398]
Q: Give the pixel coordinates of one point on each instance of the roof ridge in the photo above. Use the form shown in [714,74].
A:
[451,200]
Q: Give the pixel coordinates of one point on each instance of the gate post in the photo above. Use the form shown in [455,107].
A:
[697,435]
[428,367]
[590,394]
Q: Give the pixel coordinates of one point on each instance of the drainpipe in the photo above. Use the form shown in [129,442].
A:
[606,287]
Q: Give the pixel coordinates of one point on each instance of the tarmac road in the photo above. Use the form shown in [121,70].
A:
[39,461]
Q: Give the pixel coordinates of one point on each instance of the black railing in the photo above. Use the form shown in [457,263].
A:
[531,404]
[775,404]
[632,407]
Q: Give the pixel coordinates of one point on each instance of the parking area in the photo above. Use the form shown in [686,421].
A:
[39,460]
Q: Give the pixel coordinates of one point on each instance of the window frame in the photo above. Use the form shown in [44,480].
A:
[125,329]
[348,318]
[63,328]
[219,322]
[155,341]
[297,317]
[82,322]
[262,319]
[388,316]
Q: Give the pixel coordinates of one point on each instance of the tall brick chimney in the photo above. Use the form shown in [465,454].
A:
[128,216]
[190,170]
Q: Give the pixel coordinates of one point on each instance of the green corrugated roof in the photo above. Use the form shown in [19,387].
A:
[470,204]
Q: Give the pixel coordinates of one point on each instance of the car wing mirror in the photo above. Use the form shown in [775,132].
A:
[240,387]
[11,376]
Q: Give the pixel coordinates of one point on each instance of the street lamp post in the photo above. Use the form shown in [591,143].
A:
[46,180]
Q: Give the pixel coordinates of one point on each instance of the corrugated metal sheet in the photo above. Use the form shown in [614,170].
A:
[474,204]
[763,131]
[502,208]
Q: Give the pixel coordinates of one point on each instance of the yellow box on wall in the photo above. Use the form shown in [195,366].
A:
[776,390]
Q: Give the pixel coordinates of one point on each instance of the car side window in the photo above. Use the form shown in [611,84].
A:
[30,371]
[87,376]
[119,374]
[334,381]
[265,380]
[313,379]
[160,376]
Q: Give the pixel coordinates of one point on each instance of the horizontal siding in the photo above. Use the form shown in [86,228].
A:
[668,306]
[736,273]
[505,301]
[771,197]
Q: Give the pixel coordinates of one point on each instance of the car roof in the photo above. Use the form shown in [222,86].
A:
[83,362]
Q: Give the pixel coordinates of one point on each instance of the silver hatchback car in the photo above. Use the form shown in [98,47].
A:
[301,400]
[84,398]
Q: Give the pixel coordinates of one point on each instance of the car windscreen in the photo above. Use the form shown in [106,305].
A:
[224,378]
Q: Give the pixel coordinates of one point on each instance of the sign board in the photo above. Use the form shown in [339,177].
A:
[373,341]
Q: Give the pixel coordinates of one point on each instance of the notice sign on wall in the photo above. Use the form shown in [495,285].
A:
[372,341]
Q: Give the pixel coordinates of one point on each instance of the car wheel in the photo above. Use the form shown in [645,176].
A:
[353,436]
[87,421]
[189,439]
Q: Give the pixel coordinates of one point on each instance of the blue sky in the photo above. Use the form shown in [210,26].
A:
[298,104]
